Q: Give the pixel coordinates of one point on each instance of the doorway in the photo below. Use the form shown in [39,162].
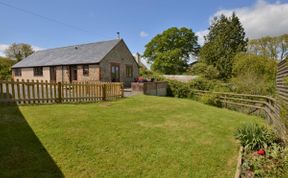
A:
[73,73]
[53,74]
[115,73]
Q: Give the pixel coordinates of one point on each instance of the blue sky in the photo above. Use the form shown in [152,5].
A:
[138,21]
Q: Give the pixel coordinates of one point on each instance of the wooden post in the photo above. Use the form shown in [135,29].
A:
[156,88]
[42,91]
[104,89]
[38,91]
[46,89]
[59,93]
[28,92]
[122,90]
[7,90]
[13,90]
[18,92]
[23,91]
[33,91]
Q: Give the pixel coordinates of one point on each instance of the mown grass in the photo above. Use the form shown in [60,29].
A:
[142,136]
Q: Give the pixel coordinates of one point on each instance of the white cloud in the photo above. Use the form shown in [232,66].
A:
[143,34]
[3,47]
[261,19]
[37,48]
[201,35]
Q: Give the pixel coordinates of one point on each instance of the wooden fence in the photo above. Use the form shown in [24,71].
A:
[266,106]
[282,74]
[40,92]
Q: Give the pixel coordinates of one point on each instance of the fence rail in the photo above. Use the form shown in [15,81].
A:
[41,92]
[266,105]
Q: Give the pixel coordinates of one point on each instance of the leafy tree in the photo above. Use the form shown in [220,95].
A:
[272,47]
[226,38]
[254,74]
[170,51]
[5,68]
[19,51]
[204,70]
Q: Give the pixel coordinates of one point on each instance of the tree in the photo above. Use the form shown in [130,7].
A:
[254,74]
[272,47]
[19,51]
[204,70]
[225,39]
[170,51]
[5,68]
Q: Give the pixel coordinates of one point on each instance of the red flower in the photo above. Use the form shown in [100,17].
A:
[261,152]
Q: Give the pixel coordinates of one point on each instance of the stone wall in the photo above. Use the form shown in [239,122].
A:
[122,56]
[94,73]
[62,74]
[150,88]
[28,74]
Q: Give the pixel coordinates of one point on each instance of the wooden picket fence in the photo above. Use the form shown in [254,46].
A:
[44,92]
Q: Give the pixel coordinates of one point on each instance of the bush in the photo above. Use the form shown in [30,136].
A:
[211,99]
[204,70]
[5,68]
[254,74]
[255,136]
[178,89]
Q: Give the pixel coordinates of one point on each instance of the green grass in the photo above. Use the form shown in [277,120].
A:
[142,136]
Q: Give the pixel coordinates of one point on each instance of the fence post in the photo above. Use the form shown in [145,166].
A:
[104,89]
[59,92]
[122,90]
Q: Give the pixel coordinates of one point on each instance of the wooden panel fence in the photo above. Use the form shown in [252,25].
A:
[266,105]
[41,92]
[282,76]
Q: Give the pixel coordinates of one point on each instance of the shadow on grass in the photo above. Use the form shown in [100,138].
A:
[21,152]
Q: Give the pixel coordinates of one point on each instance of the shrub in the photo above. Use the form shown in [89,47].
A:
[254,74]
[178,89]
[204,70]
[211,99]
[255,136]
[5,68]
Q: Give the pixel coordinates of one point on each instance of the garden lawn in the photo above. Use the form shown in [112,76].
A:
[140,136]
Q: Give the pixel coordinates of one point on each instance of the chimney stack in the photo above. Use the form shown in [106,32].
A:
[118,35]
[138,58]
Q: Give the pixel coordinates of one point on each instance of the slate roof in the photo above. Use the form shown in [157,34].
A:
[76,54]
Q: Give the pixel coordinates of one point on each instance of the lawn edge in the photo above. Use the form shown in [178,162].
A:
[239,163]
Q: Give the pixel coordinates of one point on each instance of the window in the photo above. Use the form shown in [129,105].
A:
[115,73]
[129,71]
[17,72]
[86,70]
[38,71]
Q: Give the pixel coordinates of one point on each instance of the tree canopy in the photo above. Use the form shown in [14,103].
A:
[170,51]
[272,47]
[19,51]
[225,39]
[5,68]
[254,74]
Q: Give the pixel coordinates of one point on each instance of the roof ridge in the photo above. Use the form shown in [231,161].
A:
[82,44]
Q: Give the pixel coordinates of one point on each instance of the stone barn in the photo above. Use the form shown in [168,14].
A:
[107,61]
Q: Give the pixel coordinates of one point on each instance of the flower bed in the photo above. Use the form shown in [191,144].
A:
[263,155]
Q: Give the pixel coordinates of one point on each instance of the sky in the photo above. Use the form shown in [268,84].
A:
[55,23]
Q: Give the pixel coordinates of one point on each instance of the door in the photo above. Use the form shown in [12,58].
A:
[73,73]
[53,74]
[115,73]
